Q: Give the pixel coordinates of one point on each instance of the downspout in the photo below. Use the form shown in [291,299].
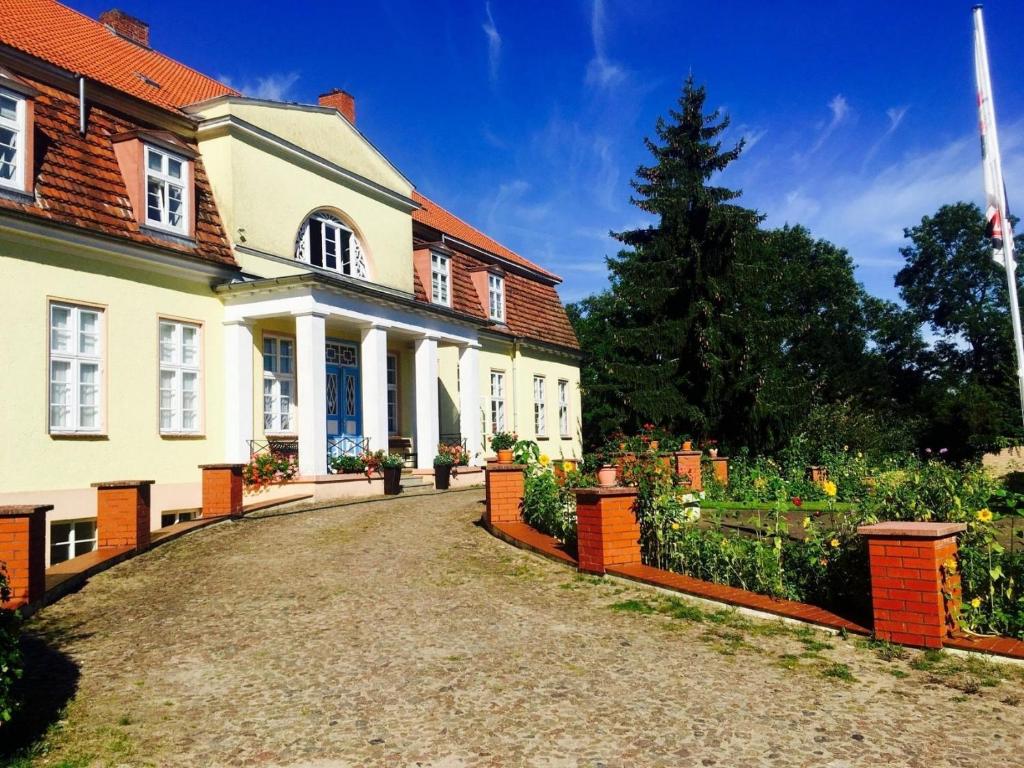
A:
[515,385]
[81,104]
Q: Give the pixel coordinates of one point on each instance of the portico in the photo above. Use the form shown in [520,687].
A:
[333,362]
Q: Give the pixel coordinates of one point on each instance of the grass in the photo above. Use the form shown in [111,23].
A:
[839,672]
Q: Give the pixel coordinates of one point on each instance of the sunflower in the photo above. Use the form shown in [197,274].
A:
[568,466]
[984,515]
[976,602]
[834,543]
[544,459]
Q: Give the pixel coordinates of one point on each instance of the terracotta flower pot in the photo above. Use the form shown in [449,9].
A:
[687,445]
[713,453]
[654,445]
[505,455]
[607,476]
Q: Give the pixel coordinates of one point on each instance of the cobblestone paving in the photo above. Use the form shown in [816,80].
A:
[402,634]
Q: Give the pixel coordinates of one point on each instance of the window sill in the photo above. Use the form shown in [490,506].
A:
[78,436]
[183,435]
[543,437]
[281,435]
[171,235]
[18,194]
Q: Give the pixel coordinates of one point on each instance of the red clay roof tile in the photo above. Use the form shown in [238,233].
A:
[75,42]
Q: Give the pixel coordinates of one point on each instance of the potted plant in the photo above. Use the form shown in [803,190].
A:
[445,459]
[502,444]
[687,445]
[607,476]
[391,468]
[712,446]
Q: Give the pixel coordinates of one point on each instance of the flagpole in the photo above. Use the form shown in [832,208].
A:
[995,191]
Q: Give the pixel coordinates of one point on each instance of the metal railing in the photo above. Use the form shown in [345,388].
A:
[347,446]
[453,438]
[283,446]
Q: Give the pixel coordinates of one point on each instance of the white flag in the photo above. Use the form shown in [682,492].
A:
[996,213]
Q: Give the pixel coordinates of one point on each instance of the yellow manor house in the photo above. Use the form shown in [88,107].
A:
[192,276]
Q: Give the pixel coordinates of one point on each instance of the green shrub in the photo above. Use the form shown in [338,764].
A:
[348,465]
[266,468]
[10,652]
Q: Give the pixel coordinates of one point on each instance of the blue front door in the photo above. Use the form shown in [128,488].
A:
[344,411]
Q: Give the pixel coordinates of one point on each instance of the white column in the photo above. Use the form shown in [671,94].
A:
[469,402]
[373,367]
[427,427]
[238,389]
[311,370]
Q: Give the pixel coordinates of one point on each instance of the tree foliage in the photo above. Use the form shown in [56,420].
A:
[715,326]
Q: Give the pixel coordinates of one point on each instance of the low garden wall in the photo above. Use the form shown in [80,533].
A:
[914,582]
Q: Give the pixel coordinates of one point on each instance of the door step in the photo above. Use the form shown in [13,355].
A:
[415,481]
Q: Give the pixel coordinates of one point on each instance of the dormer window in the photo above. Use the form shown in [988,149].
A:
[496,297]
[12,140]
[324,241]
[440,279]
[166,191]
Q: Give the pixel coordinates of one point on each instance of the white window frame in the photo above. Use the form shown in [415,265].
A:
[275,377]
[17,125]
[75,359]
[71,542]
[563,408]
[497,401]
[166,181]
[357,265]
[391,376]
[179,368]
[440,279]
[496,297]
[540,409]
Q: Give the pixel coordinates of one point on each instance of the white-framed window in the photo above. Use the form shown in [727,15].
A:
[440,279]
[497,402]
[496,297]
[392,394]
[180,383]
[540,412]
[76,369]
[71,538]
[563,408]
[278,384]
[167,194]
[173,518]
[325,241]
[12,139]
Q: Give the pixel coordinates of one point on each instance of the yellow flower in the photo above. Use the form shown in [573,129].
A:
[976,602]
[760,483]
[829,488]
[544,459]
[806,522]
[675,526]
[950,565]
[860,455]
[984,515]
[834,543]
[568,466]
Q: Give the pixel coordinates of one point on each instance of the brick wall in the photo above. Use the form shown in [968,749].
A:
[688,467]
[222,490]
[720,466]
[23,551]
[607,531]
[504,492]
[122,514]
[915,581]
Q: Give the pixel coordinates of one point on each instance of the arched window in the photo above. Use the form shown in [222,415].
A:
[324,241]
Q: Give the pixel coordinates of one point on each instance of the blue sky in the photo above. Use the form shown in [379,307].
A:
[527,118]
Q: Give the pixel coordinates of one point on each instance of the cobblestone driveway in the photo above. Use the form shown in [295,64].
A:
[402,634]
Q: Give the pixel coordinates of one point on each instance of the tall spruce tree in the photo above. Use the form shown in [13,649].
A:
[676,352]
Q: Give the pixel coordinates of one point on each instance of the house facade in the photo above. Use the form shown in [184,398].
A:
[194,276]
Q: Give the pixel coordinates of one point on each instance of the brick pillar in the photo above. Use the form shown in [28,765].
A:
[688,466]
[23,551]
[504,491]
[222,490]
[122,514]
[910,582]
[607,532]
[720,466]
[817,474]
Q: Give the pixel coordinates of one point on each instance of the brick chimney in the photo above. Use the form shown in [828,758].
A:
[342,101]
[126,26]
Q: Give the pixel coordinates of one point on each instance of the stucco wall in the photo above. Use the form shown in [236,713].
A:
[264,196]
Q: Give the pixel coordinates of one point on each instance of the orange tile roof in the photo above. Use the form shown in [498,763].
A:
[433,215]
[70,40]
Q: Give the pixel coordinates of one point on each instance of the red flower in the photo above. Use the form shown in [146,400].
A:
[797,501]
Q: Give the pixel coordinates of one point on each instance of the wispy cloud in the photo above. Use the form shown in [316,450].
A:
[601,71]
[493,44]
[273,87]
[840,109]
[895,115]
